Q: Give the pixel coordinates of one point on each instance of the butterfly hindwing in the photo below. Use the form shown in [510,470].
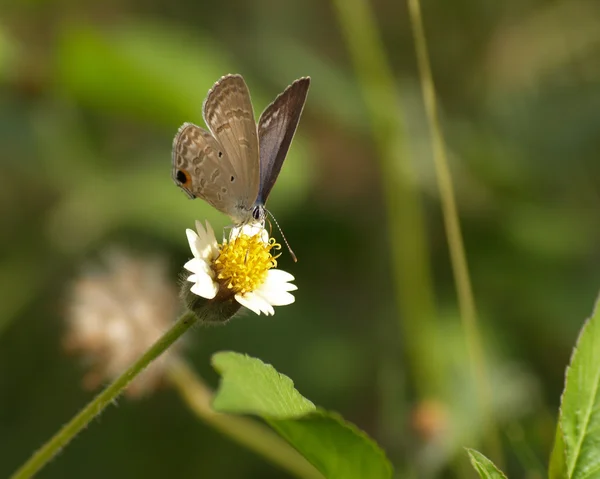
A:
[202,168]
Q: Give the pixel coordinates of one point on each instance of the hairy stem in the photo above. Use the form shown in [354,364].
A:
[56,443]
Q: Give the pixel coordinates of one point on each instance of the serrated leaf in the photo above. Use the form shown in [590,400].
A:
[335,447]
[580,406]
[484,467]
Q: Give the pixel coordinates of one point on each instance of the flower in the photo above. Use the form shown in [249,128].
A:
[242,265]
[116,313]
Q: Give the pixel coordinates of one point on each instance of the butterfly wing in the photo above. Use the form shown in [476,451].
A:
[202,169]
[228,114]
[276,129]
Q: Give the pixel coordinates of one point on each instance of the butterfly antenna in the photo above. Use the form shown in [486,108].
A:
[283,236]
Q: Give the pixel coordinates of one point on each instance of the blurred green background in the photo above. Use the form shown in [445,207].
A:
[91,95]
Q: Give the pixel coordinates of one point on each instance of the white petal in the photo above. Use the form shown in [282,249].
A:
[201,241]
[267,308]
[192,237]
[203,244]
[212,239]
[206,237]
[250,229]
[256,302]
[279,275]
[276,297]
[273,282]
[200,229]
[277,285]
[260,302]
[235,232]
[200,275]
[206,288]
[210,233]
[193,265]
[205,268]
[247,303]
[206,249]
[197,265]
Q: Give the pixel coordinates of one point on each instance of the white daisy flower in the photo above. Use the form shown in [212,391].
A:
[243,265]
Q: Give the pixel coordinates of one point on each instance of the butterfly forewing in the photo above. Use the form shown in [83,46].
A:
[276,129]
[202,168]
[228,114]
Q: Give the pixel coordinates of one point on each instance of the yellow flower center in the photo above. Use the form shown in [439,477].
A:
[243,262]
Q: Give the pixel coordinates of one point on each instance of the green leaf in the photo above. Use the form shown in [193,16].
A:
[557,468]
[153,72]
[335,447]
[580,407]
[250,386]
[484,467]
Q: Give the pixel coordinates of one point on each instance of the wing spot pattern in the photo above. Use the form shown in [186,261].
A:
[224,126]
[238,113]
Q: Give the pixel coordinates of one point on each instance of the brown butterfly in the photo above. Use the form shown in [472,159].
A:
[235,164]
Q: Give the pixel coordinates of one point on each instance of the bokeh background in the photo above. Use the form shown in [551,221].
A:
[91,95]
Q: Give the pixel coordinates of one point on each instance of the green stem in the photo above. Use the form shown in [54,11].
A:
[466,300]
[41,457]
[249,433]
[405,219]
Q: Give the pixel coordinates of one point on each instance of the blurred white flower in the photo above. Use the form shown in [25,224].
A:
[243,264]
[116,313]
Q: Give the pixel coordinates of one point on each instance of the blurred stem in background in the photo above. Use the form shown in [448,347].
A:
[247,432]
[466,300]
[406,226]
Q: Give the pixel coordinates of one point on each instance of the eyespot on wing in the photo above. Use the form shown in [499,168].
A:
[183,177]
[184,180]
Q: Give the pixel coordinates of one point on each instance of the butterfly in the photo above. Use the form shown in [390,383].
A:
[234,165]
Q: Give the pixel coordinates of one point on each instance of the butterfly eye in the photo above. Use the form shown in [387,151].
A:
[183,177]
